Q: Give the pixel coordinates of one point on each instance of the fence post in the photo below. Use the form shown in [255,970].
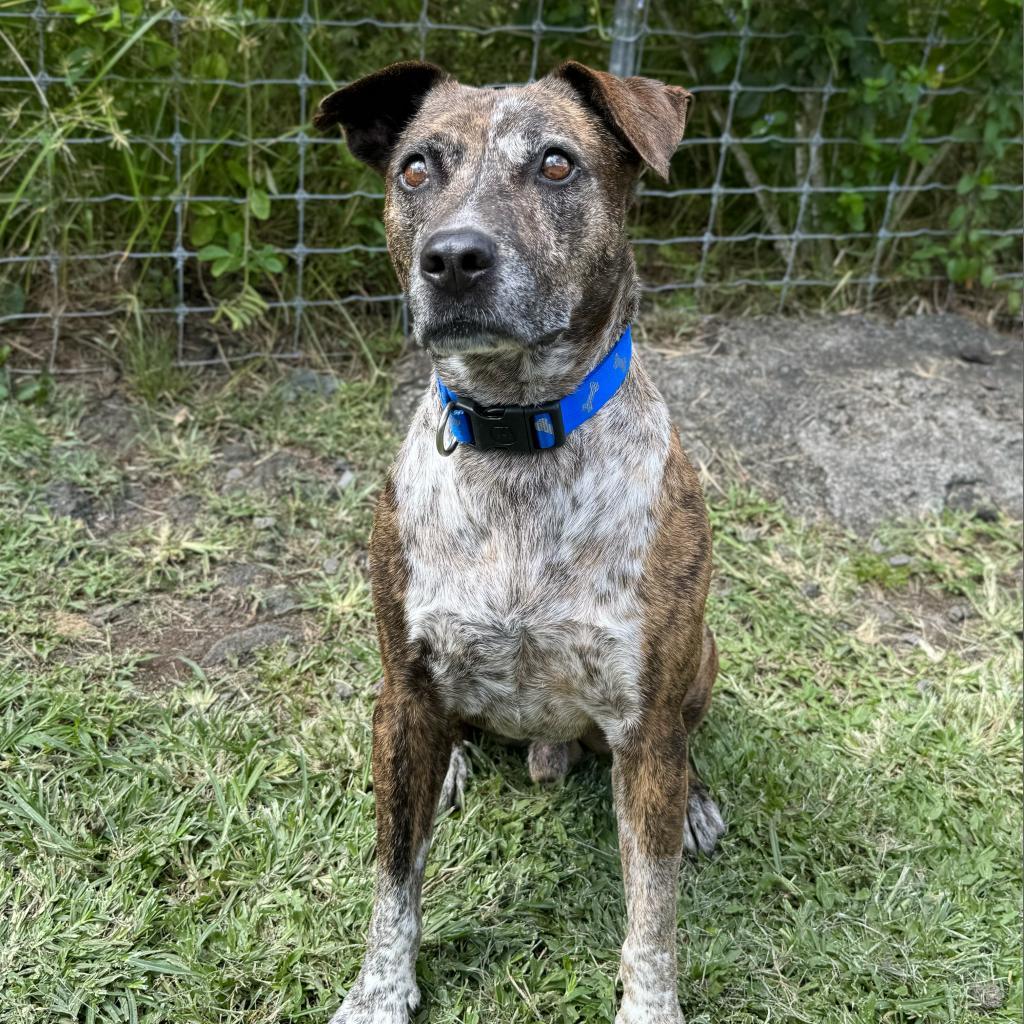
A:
[627,28]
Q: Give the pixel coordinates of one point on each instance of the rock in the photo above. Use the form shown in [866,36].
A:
[975,350]
[264,522]
[344,480]
[330,565]
[898,560]
[811,589]
[246,641]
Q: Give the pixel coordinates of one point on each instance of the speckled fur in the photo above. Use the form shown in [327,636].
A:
[551,597]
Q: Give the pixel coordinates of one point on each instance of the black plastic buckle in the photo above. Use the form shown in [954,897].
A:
[511,427]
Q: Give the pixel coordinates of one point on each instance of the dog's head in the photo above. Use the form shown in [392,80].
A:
[505,207]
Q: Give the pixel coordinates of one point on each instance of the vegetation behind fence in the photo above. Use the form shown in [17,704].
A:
[158,172]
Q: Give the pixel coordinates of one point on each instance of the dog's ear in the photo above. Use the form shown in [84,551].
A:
[648,117]
[374,110]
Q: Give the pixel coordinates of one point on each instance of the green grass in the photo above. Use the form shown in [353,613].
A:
[190,841]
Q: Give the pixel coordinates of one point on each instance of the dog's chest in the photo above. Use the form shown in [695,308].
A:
[524,583]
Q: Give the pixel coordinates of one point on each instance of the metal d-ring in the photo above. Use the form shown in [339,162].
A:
[442,448]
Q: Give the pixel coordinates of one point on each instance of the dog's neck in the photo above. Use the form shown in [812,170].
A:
[542,373]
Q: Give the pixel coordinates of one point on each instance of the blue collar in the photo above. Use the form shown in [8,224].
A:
[531,428]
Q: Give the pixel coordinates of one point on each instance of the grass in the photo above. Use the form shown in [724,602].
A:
[189,839]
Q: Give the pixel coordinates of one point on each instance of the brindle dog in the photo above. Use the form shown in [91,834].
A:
[554,596]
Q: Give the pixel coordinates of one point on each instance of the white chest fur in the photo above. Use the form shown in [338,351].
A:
[524,572]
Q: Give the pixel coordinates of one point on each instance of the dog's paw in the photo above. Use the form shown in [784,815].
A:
[648,1011]
[453,789]
[549,762]
[704,825]
[378,1001]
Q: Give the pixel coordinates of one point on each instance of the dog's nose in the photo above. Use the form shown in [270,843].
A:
[456,260]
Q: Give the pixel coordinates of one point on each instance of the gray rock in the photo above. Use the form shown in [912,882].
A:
[898,560]
[811,589]
[264,522]
[330,565]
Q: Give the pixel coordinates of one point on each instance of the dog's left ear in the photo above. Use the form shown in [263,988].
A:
[374,110]
[648,117]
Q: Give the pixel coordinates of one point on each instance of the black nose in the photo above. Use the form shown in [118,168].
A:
[456,260]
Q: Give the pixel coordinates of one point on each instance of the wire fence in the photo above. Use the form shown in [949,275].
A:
[160,168]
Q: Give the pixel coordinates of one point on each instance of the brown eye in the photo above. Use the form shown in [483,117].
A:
[555,166]
[414,173]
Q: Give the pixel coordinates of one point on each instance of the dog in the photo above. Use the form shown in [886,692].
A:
[541,553]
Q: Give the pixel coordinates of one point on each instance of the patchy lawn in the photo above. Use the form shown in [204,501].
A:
[186,676]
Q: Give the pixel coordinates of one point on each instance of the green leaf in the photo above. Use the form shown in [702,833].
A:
[203,230]
[259,203]
[965,184]
[720,56]
[238,172]
[212,252]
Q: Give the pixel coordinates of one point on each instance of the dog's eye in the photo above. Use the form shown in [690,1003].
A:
[555,166]
[414,173]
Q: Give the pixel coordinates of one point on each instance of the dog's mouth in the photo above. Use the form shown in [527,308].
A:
[467,334]
[470,334]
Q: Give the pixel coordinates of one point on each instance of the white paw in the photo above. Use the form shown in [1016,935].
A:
[375,1000]
[650,1011]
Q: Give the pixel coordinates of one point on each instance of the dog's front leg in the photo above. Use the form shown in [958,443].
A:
[412,742]
[649,776]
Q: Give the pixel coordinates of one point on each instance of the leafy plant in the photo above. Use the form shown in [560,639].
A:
[183,122]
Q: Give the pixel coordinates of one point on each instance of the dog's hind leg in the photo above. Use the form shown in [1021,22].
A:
[549,762]
[704,824]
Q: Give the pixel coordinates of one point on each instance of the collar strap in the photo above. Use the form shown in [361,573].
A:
[531,428]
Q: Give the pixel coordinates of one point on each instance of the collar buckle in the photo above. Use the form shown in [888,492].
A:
[513,428]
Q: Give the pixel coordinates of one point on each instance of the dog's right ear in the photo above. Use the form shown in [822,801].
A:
[374,110]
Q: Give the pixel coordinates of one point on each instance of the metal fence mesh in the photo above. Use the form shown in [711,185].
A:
[108,214]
